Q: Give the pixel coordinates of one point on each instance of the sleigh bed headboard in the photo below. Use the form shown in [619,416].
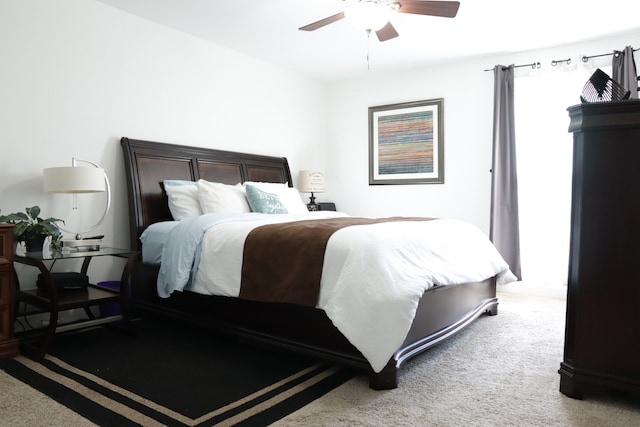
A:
[148,164]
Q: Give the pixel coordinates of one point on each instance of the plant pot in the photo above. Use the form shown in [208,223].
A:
[35,244]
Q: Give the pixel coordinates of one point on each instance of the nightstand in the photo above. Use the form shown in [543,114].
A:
[326,206]
[51,300]
[8,343]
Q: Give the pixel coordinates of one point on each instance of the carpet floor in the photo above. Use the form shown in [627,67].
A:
[169,374]
[500,371]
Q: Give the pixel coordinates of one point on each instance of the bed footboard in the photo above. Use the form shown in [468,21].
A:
[442,312]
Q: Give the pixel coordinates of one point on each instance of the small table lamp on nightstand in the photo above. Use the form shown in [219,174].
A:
[76,180]
[312,181]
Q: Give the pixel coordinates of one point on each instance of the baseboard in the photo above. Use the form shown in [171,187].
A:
[530,288]
[35,321]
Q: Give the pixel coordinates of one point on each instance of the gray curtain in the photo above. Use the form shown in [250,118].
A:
[624,70]
[505,230]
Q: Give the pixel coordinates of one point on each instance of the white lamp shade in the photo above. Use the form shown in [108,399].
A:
[70,179]
[368,15]
[311,181]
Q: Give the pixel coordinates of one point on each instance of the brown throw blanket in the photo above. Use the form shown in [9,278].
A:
[283,262]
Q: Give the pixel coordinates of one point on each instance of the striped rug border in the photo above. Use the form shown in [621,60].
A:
[107,404]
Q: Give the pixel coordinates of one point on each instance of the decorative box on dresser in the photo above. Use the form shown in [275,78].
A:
[8,343]
[602,335]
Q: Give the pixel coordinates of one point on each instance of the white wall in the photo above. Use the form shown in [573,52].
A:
[468,110]
[77,75]
[467,93]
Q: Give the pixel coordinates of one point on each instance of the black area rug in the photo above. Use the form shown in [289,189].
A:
[170,373]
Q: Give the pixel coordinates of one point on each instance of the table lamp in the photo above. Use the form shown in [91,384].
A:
[77,180]
[312,181]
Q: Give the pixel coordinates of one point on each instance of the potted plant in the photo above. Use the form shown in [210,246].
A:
[33,230]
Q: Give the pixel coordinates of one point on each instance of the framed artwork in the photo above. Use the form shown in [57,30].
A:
[406,143]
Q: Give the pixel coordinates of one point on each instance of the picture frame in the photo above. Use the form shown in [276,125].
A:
[406,143]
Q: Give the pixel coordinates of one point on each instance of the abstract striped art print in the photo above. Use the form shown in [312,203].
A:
[406,143]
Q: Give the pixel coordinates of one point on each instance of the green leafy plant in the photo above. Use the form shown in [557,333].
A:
[29,225]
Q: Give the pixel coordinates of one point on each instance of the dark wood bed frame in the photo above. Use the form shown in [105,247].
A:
[442,311]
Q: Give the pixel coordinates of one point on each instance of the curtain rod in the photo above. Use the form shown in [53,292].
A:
[615,52]
[532,65]
[568,61]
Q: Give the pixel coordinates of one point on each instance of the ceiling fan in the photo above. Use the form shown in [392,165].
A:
[374,15]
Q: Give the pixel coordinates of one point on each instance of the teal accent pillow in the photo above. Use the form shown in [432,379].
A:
[263,202]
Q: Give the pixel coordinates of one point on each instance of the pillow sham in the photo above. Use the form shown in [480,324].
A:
[264,202]
[289,196]
[216,197]
[182,197]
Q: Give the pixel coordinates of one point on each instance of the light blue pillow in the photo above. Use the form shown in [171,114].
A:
[263,202]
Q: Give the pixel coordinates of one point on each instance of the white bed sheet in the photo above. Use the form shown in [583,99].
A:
[373,275]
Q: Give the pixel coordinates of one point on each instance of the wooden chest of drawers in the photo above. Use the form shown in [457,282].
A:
[602,335]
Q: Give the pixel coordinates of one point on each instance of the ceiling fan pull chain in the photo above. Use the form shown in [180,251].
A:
[368,48]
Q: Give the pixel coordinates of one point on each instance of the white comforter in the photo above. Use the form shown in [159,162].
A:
[373,275]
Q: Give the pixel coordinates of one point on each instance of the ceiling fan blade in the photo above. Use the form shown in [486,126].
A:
[387,33]
[446,9]
[321,23]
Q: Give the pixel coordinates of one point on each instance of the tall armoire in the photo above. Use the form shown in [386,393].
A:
[602,335]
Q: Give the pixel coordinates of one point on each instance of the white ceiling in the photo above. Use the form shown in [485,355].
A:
[268,30]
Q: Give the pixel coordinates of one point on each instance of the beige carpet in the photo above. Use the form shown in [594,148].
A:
[23,406]
[500,371]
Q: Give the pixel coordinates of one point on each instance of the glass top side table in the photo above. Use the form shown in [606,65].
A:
[53,300]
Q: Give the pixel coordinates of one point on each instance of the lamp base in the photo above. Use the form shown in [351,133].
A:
[312,206]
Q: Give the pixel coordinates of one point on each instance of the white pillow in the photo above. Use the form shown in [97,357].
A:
[289,196]
[216,197]
[182,199]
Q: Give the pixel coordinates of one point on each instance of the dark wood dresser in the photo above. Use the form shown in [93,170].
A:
[8,343]
[602,335]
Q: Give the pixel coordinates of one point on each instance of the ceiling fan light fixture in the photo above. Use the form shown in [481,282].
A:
[368,15]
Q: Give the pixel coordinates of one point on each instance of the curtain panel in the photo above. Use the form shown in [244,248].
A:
[504,228]
[624,70]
